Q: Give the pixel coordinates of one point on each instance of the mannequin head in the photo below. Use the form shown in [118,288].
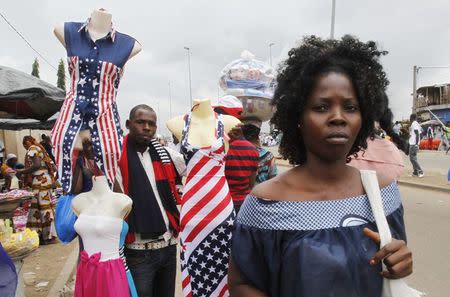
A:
[142,124]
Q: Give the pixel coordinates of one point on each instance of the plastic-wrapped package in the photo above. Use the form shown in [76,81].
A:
[65,219]
[248,76]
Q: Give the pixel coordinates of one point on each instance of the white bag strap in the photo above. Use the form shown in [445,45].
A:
[370,183]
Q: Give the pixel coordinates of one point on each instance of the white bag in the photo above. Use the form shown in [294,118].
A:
[391,287]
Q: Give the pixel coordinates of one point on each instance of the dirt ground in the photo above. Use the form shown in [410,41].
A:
[44,265]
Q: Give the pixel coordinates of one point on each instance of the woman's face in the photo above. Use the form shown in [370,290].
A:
[26,144]
[331,119]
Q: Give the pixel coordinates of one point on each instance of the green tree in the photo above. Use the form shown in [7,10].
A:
[61,82]
[35,71]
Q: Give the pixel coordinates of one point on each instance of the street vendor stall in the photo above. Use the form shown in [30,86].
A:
[17,240]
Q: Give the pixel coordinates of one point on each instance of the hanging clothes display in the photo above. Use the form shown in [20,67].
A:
[102,270]
[207,217]
[95,70]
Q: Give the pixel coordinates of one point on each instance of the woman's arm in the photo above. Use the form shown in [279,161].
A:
[36,166]
[237,287]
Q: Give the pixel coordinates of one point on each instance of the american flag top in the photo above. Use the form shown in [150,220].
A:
[207,217]
[95,70]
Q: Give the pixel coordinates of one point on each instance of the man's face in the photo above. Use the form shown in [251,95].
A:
[142,126]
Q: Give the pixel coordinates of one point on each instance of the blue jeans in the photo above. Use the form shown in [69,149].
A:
[153,271]
[413,149]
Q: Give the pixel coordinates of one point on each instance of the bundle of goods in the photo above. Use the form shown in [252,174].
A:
[253,82]
[17,245]
[15,195]
[11,200]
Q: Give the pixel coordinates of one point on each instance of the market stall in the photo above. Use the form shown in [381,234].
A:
[17,240]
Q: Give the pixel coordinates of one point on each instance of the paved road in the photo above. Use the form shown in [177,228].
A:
[427,218]
[431,161]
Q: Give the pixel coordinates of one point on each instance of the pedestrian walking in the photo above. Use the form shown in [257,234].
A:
[414,139]
[430,137]
[148,173]
[307,232]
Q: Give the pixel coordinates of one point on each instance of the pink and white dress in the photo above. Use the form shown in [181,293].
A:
[101,271]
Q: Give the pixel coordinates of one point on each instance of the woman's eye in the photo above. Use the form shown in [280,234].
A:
[352,108]
[320,108]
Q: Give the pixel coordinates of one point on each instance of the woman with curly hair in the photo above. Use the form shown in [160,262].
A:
[308,232]
[39,174]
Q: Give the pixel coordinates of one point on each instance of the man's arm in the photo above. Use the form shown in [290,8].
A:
[417,136]
[178,161]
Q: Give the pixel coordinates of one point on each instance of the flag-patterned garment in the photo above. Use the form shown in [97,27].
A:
[95,70]
[207,218]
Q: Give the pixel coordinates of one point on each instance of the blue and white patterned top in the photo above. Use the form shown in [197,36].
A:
[95,69]
[312,248]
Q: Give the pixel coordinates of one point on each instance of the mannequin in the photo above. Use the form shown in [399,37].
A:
[207,213]
[101,201]
[201,132]
[97,54]
[98,27]
[101,270]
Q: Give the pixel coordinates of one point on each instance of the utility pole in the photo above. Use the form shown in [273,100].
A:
[270,52]
[189,66]
[170,102]
[415,70]
[333,15]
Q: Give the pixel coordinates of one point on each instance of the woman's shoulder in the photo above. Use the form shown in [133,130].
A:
[273,188]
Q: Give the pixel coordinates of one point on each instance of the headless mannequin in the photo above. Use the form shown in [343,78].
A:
[101,201]
[203,124]
[99,26]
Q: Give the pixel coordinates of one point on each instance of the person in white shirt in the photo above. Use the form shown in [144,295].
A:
[414,139]
[149,174]
[397,127]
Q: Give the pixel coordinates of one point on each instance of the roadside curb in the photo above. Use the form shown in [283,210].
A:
[422,185]
[65,274]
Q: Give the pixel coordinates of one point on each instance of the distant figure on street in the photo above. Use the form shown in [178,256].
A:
[430,136]
[266,166]
[397,127]
[414,139]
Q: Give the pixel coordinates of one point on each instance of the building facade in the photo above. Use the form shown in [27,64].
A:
[435,99]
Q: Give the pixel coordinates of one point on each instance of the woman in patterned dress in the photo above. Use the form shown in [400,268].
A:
[39,174]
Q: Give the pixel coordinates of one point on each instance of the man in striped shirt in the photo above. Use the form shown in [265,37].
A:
[241,161]
[241,166]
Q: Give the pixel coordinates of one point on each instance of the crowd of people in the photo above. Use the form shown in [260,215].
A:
[307,232]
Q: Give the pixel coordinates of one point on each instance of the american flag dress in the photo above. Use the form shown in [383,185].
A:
[95,70]
[207,217]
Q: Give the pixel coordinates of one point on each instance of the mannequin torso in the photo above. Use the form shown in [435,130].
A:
[99,26]
[203,124]
[101,201]
[96,58]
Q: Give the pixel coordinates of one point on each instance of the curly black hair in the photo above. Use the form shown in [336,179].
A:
[313,58]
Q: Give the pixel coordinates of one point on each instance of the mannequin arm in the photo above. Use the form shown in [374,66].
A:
[175,126]
[59,33]
[137,48]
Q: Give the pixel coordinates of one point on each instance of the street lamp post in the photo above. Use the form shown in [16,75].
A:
[333,15]
[270,52]
[170,102]
[189,66]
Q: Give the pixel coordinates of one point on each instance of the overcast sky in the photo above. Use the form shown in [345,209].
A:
[414,32]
